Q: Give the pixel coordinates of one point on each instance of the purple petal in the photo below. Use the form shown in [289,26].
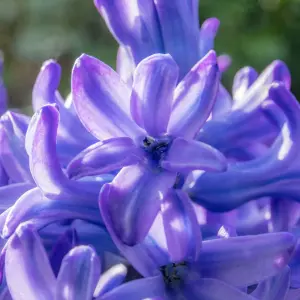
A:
[104,157]
[125,65]
[46,85]
[185,156]
[275,288]
[13,156]
[275,72]
[154,81]
[3,92]
[134,25]
[71,133]
[181,226]
[180,31]
[243,80]
[213,289]
[78,274]
[110,279]
[146,257]
[134,200]
[224,62]
[28,271]
[40,211]
[44,164]
[146,288]
[101,99]
[272,174]
[194,98]
[9,194]
[243,261]
[208,33]
[223,103]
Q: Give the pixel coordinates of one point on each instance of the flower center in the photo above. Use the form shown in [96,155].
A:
[156,149]
[174,274]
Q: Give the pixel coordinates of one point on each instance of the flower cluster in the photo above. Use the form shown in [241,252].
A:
[152,181]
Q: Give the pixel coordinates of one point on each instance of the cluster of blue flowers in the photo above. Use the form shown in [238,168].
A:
[152,181]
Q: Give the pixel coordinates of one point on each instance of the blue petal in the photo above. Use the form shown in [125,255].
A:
[12,152]
[180,31]
[274,174]
[101,100]
[104,157]
[28,271]
[78,274]
[110,279]
[146,288]
[154,81]
[194,97]
[134,200]
[44,165]
[182,231]
[208,32]
[33,207]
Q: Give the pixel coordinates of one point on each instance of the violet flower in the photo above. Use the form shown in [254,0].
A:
[29,274]
[147,130]
[72,136]
[173,250]
[143,28]
[56,197]
[242,131]
[274,174]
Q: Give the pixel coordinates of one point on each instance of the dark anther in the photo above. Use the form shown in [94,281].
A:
[172,273]
[180,179]
[147,141]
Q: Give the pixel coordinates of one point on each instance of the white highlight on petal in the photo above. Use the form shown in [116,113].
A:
[223,233]
[176,225]
[287,143]
[114,271]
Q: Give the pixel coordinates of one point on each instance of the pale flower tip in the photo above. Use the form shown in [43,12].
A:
[210,58]
[211,24]
[81,59]
[5,232]
[49,62]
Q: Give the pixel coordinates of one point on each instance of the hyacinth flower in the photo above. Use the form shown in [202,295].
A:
[142,134]
[29,274]
[146,27]
[56,197]
[274,174]
[194,269]
[15,177]
[242,131]
[143,28]
[72,136]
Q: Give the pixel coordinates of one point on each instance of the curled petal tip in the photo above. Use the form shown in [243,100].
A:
[211,57]
[83,250]
[51,63]
[211,24]
[275,87]
[82,59]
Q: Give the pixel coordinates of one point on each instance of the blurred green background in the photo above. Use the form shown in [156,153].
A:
[253,32]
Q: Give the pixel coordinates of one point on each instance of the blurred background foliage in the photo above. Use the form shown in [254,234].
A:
[253,32]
